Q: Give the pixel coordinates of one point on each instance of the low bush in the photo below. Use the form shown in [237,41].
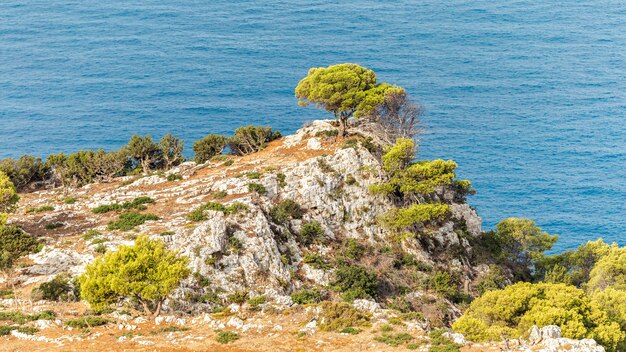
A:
[21,318]
[86,322]
[225,337]
[174,177]
[238,297]
[311,232]
[128,221]
[285,210]
[336,316]
[235,208]
[307,296]
[138,203]
[25,171]
[255,302]
[441,343]
[69,200]
[316,261]
[14,243]
[40,209]
[91,234]
[355,282]
[394,340]
[254,187]
[60,288]
[54,225]
[219,194]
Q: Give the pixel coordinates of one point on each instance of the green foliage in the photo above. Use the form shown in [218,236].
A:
[254,187]
[345,90]
[256,301]
[281,179]
[100,249]
[440,343]
[171,151]
[53,225]
[307,296]
[399,156]
[129,221]
[25,171]
[573,266]
[285,210]
[40,209]
[83,167]
[238,297]
[317,261]
[494,279]
[311,232]
[519,243]
[208,147]
[69,200]
[8,194]
[514,310]
[86,322]
[174,177]
[351,248]
[336,316]
[14,243]
[355,282]
[219,194]
[254,175]
[350,330]
[144,152]
[225,337]
[59,289]
[394,340]
[251,139]
[21,318]
[609,271]
[401,219]
[147,272]
[198,213]
[138,203]
[327,133]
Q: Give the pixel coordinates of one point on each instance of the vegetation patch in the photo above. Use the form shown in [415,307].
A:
[336,316]
[394,340]
[307,296]
[40,209]
[21,318]
[225,337]
[129,221]
[86,322]
[285,210]
[136,204]
[258,188]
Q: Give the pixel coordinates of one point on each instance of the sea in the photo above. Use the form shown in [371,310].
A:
[528,97]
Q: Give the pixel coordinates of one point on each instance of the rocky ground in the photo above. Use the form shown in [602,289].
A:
[243,252]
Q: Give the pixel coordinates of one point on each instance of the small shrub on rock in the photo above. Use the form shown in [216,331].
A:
[86,322]
[258,188]
[61,288]
[311,232]
[336,316]
[225,337]
[355,282]
[285,210]
[129,221]
[307,296]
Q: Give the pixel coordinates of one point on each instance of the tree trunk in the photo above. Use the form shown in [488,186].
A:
[342,126]
[158,309]
[145,308]
[146,166]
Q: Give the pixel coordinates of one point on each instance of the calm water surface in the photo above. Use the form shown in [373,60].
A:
[529,97]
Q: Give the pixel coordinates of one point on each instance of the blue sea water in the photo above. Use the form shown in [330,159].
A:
[529,97]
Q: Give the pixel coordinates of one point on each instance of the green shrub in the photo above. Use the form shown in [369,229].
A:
[352,249]
[386,328]
[351,143]
[307,296]
[174,177]
[138,203]
[14,243]
[60,288]
[25,171]
[514,310]
[86,322]
[219,194]
[355,282]
[400,219]
[69,200]
[21,318]
[54,225]
[350,330]
[440,343]
[101,248]
[235,244]
[83,167]
[316,261]
[253,175]
[311,232]
[40,209]
[281,177]
[146,272]
[229,162]
[198,213]
[394,340]
[128,221]
[336,316]
[254,187]
[208,147]
[494,279]
[225,337]
[256,301]
[609,271]
[327,133]
[238,297]
[251,139]
[285,210]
